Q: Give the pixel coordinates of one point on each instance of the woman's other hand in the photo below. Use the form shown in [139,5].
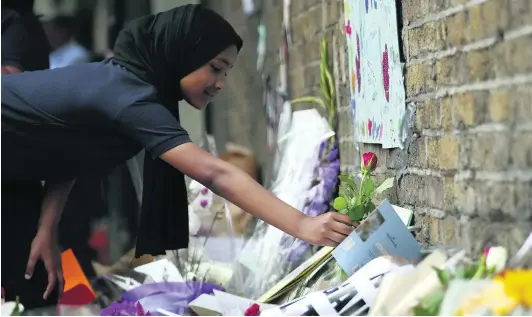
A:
[44,247]
[329,229]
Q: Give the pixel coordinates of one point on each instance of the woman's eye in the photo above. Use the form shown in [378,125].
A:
[216,69]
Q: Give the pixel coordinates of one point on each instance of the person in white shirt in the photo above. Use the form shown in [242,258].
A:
[66,50]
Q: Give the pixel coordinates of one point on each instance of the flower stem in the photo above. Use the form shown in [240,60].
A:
[364,174]
[481,268]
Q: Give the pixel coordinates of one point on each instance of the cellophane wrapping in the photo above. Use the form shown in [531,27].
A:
[213,242]
[204,266]
[304,180]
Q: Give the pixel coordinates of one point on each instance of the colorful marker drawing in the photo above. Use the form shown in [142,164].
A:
[376,77]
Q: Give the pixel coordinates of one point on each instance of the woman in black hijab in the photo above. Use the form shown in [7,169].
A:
[63,123]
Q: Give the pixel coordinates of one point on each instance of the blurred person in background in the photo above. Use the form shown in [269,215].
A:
[66,51]
[88,118]
[24,48]
[24,43]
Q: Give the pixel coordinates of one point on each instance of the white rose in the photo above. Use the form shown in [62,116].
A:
[496,257]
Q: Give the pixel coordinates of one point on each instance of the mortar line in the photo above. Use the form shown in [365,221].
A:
[477,45]
[307,65]
[432,132]
[302,13]
[484,85]
[433,212]
[423,172]
[489,127]
[524,127]
[442,14]
[520,175]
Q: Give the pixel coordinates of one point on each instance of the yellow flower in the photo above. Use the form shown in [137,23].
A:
[518,286]
[494,298]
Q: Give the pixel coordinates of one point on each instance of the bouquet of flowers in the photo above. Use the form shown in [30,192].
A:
[325,179]
[491,285]
[305,179]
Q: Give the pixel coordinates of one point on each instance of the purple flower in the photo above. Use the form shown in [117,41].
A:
[332,155]
[204,203]
[322,148]
[140,311]
[204,191]
[320,196]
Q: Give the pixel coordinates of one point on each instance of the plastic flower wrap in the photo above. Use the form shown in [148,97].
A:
[305,178]
[270,254]
[148,299]
[213,244]
[320,195]
[125,309]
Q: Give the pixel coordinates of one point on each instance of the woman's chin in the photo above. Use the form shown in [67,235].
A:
[198,104]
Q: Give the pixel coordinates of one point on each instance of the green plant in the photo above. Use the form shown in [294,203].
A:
[328,89]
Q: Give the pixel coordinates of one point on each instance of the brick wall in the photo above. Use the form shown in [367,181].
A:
[467,167]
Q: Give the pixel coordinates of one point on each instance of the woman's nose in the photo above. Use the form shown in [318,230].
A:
[220,84]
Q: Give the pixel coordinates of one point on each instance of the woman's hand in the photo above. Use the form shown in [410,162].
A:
[44,247]
[329,229]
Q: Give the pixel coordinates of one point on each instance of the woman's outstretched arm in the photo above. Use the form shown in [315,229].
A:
[239,188]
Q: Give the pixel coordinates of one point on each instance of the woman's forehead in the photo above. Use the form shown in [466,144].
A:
[228,56]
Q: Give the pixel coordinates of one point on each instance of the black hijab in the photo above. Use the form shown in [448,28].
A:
[161,49]
[21,6]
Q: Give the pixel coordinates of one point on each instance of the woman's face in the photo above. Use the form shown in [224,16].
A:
[200,86]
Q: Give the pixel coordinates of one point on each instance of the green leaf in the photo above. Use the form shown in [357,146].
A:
[348,180]
[342,191]
[367,187]
[491,271]
[434,298]
[388,183]
[310,99]
[354,202]
[461,272]
[444,276]
[356,213]
[340,203]
[343,178]
[432,302]
[421,311]
[344,211]
[471,270]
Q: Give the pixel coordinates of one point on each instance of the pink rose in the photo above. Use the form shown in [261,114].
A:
[369,161]
[253,310]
